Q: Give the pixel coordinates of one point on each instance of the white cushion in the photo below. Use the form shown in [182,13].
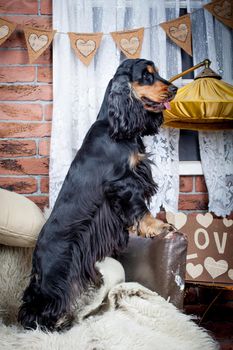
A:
[20,220]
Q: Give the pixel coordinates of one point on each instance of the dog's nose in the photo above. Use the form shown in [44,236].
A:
[172,88]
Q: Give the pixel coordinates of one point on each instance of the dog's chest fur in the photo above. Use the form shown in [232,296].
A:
[140,165]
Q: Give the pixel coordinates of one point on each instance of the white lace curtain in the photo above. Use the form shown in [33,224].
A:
[79,90]
[214,40]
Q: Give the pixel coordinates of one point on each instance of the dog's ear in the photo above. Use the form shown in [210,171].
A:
[125,112]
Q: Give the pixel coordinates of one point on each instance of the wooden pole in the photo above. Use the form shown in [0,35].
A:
[205,63]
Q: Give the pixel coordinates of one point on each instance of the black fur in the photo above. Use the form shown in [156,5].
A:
[101,197]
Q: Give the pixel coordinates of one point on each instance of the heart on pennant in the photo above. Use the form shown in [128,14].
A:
[227,222]
[230,274]
[215,268]
[204,220]
[85,47]
[130,45]
[179,33]
[194,270]
[4,31]
[37,42]
[178,219]
[223,10]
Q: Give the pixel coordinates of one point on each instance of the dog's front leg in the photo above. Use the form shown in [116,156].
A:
[149,226]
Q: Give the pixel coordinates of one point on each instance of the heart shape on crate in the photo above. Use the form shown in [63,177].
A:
[178,219]
[130,45]
[4,31]
[204,220]
[215,268]
[37,42]
[85,47]
[179,33]
[223,10]
[227,222]
[230,274]
[194,270]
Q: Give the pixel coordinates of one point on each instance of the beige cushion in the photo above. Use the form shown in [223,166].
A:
[20,220]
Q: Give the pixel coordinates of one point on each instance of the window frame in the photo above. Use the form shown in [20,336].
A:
[188,167]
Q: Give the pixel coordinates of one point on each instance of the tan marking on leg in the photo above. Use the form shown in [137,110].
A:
[135,159]
[64,322]
[149,226]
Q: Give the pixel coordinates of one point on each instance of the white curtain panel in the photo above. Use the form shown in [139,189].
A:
[214,40]
[79,90]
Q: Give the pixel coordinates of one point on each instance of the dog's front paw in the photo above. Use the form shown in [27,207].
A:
[165,229]
[150,227]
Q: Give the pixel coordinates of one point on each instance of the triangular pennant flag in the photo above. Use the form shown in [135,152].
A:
[179,31]
[85,45]
[222,10]
[129,42]
[6,29]
[37,41]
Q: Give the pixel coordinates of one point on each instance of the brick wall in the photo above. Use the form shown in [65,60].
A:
[26,111]
[25,104]
[193,194]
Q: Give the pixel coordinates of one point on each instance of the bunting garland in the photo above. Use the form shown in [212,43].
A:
[85,45]
[222,10]
[179,31]
[37,41]
[6,29]
[129,42]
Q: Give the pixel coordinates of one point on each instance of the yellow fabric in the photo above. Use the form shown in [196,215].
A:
[204,104]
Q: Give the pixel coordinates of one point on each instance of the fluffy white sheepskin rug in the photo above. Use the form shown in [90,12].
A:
[131,317]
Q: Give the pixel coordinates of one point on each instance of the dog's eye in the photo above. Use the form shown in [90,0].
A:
[148,77]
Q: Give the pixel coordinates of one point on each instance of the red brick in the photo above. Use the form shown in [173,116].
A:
[41,201]
[24,166]
[193,202]
[48,112]
[28,7]
[20,185]
[44,147]
[21,57]
[14,57]
[15,74]
[186,183]
[41,22]
[9,111]
[44,184]
[12,148]
[15,40]
[21,129]
[44,74]
[200,185]
[46,7]
[25,92]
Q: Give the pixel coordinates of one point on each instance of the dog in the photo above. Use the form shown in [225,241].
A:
[106,191]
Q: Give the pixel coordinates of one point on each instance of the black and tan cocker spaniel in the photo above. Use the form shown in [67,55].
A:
[105,192]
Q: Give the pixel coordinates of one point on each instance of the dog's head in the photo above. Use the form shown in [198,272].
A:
[136,99]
